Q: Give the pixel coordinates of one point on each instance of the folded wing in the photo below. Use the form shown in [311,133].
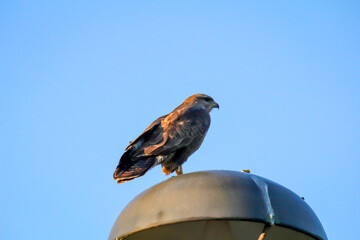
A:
[171,137]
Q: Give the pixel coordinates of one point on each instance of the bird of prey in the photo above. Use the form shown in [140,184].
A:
[169,140]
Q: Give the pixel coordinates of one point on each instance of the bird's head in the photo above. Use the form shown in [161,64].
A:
[202,100]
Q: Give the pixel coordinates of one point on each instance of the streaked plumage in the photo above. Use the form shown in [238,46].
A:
[169,140]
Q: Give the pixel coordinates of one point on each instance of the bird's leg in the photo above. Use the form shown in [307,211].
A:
[179,170]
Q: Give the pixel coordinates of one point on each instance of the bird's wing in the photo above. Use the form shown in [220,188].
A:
[185,127]
[180,128]
[150,134]
[133,163]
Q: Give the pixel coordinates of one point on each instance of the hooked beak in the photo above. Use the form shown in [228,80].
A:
[216,105]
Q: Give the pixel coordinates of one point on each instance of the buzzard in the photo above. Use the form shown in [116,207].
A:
[169,140]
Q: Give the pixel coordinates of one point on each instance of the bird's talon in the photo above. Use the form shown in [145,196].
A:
[179,170]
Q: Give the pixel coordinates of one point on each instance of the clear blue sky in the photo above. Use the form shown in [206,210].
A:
[79,79]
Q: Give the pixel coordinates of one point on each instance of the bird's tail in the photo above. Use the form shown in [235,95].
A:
[128,169]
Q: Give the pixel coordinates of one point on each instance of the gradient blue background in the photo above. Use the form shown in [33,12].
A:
[79,79]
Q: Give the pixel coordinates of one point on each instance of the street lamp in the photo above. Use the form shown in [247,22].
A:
[217,205]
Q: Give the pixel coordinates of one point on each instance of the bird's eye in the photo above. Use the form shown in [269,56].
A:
[207,99]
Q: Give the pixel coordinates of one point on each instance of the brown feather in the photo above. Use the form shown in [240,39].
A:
[169,140]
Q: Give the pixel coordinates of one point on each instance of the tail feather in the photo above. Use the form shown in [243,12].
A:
[129,169]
